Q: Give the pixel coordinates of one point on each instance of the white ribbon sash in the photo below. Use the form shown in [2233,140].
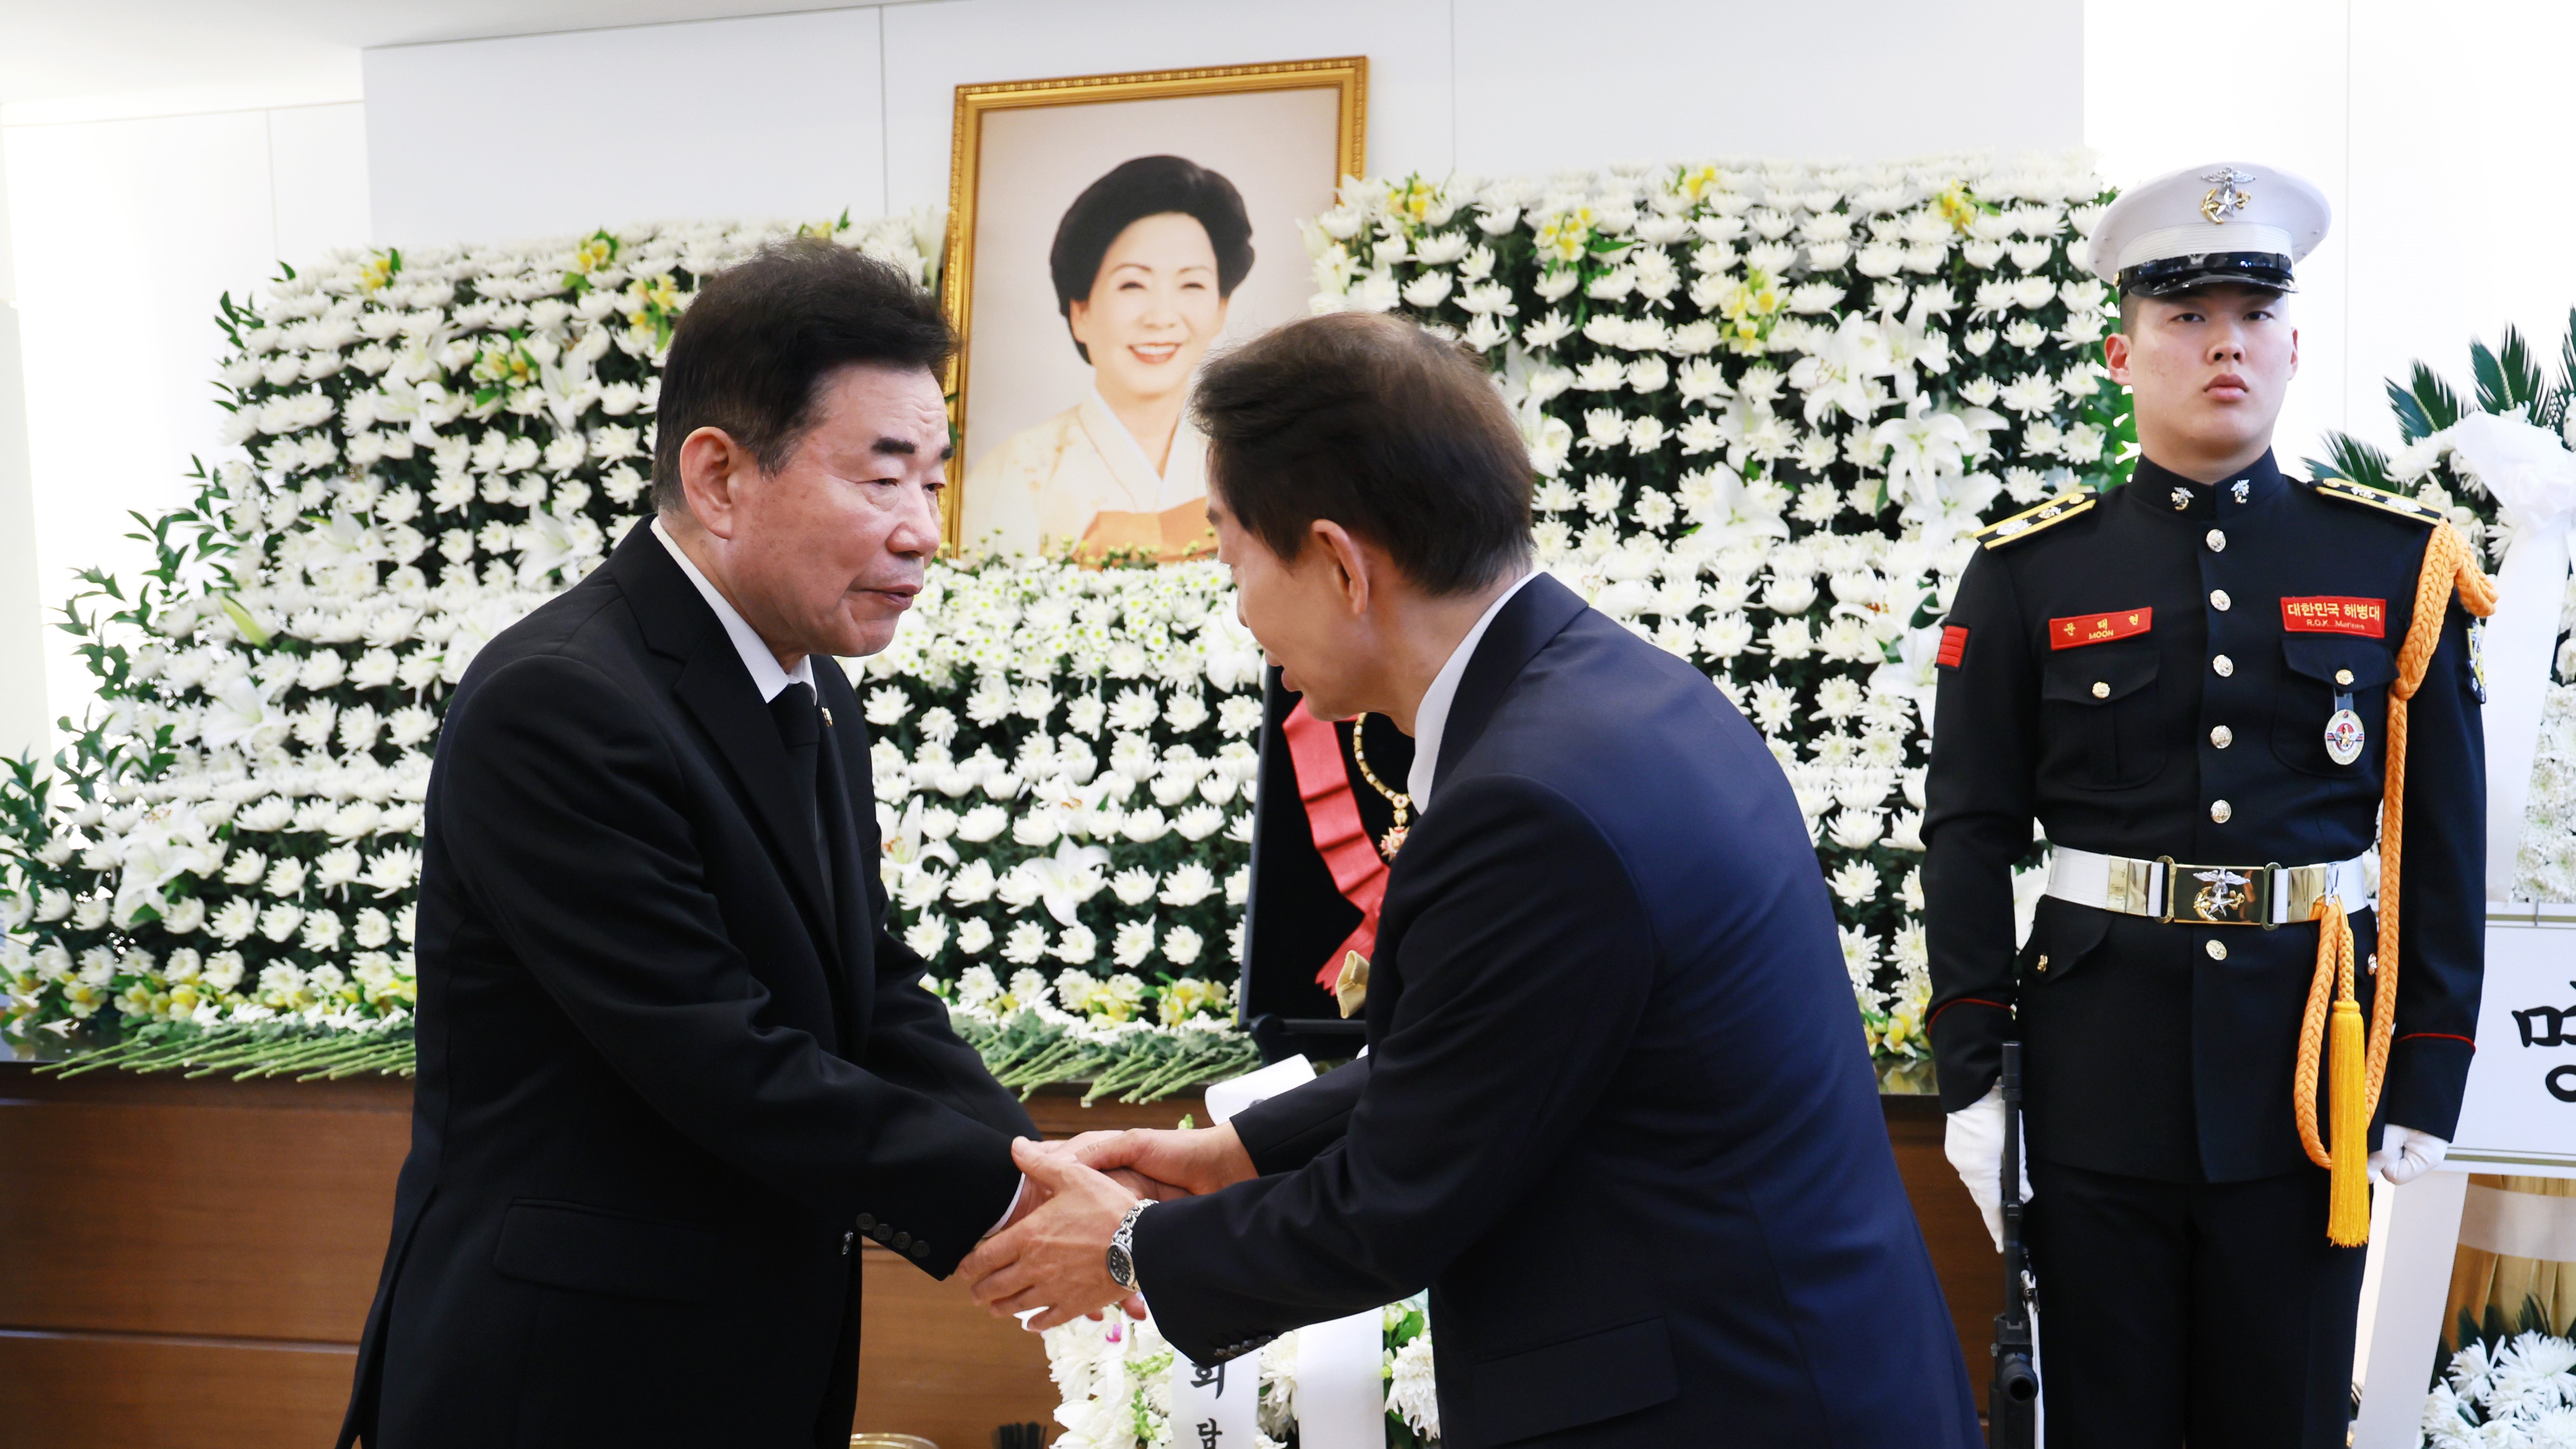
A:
[2533,477]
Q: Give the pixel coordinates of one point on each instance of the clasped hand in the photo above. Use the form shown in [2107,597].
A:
[1053,1256]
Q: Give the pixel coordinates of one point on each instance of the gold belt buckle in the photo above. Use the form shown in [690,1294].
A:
[2224,895]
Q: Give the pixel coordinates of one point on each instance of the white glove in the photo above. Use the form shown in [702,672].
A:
[2404,1154]
[1975,1146]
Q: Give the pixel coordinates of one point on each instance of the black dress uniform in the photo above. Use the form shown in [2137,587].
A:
[2151,673]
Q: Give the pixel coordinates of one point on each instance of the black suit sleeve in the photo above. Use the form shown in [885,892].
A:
[1978,798]
[1522,985]
[1285,1132]
[2441,918]
[564,812]
[911,1044]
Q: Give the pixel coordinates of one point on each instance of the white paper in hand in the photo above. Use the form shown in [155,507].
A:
[1226,1098]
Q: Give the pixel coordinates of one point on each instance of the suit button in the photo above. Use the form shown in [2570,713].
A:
[2218,600]
[2217,950]
[2343,676]
[881,1232]
[2222,737]
[921,1252]
[867,1223]
[2101,689]
[2225,666]
[2216,540]
[2219,811]
[901,1241]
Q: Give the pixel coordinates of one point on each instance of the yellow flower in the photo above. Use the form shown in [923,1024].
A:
[1413,200]
[658,292]
[1956,206]
[1565,235]
[378,271]
[594,254]
[1697,181]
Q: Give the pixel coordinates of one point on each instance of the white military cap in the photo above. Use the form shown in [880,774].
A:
[2229,221]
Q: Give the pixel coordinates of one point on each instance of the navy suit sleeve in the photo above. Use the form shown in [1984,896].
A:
[1978,798]
[564,813]
[2441,920]
[1285,1132]
[1522,985]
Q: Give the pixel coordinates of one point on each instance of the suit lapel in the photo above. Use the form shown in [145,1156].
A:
[847,797]
[718,692]
[1538,613]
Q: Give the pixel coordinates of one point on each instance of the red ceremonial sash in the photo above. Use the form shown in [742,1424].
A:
[1333,814]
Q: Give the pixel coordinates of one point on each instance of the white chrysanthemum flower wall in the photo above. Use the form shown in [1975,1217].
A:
[1766,405]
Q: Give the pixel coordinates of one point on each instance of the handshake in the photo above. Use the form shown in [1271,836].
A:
[1050,1259]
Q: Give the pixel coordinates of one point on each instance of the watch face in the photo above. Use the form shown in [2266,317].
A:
[1122,1269]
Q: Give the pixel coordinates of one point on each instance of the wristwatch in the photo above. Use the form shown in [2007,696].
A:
[1122,1247]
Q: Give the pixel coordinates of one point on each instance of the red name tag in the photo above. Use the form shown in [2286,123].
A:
[2365,617]
[2099,628]
[1954,645]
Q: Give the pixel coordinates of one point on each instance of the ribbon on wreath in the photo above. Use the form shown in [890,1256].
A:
[2532,476]
[1333,815]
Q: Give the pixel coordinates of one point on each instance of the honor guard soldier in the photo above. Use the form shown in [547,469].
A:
[2219,692]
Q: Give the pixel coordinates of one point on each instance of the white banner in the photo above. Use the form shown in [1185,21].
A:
[2533,477]
[1341,1383]
[1215,1407]
[2519,1114]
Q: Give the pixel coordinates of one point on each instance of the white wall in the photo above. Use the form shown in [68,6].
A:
[23,721]
[125,232]
[800,115]
[2434,141]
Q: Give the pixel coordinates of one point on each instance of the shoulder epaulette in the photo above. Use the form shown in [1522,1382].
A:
[2348,491]
[2031,520]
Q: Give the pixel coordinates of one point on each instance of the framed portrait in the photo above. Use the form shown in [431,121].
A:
[1105,233]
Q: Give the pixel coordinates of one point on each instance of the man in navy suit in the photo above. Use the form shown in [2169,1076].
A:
[1616,1111]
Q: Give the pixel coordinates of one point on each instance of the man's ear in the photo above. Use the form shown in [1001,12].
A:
[712,465]
[2115,357]
[1350,566]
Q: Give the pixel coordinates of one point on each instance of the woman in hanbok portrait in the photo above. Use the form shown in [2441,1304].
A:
[1144,263]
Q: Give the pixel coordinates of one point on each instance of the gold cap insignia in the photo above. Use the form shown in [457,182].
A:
[2227,194]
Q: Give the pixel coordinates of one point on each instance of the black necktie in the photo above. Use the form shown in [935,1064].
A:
[800,729]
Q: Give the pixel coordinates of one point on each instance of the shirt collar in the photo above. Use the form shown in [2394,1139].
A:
[1431,717]
[2163,492]
[766,676]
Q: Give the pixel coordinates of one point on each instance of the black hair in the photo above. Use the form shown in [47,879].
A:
[1132,191]
[1371,422]
[760,339]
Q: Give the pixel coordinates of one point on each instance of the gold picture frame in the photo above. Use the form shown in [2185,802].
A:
[1346,75]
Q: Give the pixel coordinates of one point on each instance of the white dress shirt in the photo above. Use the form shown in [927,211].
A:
[766,676]
[1431,717]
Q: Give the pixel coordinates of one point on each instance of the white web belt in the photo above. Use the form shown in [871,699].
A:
[2205,895]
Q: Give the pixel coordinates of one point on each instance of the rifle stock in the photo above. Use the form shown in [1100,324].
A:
[2012,1404]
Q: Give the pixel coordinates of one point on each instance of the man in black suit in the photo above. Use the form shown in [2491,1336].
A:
[672,1064]
[1616,1111]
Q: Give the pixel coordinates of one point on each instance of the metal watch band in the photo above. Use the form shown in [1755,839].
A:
[1122,1246]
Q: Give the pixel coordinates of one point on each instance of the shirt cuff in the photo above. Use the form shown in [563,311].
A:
[1005,1218]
